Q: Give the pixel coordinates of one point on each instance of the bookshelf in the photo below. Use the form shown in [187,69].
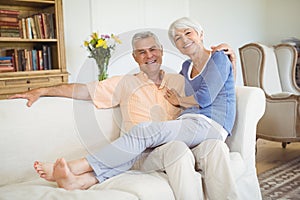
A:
[37,55]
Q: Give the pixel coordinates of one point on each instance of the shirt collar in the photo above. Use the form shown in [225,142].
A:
[144,77]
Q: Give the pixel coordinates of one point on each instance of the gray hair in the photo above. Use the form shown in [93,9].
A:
[183,22]
[143,35]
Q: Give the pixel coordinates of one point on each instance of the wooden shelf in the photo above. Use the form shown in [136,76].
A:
[17,40]
[20,81]
[29,3]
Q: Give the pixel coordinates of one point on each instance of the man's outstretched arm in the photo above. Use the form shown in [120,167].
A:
[75,91]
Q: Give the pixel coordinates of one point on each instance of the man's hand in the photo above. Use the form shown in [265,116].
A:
[31,96]
[172,97]
[228,51]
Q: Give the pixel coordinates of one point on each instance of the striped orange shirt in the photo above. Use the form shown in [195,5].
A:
[139,98]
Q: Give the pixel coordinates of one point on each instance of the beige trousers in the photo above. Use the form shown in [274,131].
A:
[212,165]
[177,161]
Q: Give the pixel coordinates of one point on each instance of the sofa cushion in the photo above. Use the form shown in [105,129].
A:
[39,189]
[146,186]
[126,186]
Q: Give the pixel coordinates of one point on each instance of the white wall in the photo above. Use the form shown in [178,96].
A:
[235,22]
[77,26]
[283,19]
[82,17]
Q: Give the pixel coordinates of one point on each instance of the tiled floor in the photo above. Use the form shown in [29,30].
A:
[271,154]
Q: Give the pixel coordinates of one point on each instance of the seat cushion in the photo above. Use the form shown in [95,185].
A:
[132,185]
[39,189]
[146,186]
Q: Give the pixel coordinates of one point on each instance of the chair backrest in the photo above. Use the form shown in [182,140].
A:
[260,68]
[287,56]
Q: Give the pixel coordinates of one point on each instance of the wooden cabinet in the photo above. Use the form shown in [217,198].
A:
[21,80]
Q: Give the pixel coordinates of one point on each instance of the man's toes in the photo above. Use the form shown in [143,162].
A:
[35,164]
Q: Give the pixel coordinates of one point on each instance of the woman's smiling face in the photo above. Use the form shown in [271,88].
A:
[187,40]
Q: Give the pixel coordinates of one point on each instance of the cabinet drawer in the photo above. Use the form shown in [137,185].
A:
[22,85]
[29,81]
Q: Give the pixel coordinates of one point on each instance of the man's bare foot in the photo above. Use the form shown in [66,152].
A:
[68,180]
[45,170]
[64,177]
[79,166]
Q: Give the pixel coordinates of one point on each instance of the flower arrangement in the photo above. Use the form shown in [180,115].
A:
[101,48]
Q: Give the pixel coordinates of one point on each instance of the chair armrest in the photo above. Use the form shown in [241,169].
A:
[250,108]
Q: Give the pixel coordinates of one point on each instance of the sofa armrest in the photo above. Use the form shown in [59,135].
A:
[250,108]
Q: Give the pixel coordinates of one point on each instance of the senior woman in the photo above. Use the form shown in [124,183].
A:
[211,77]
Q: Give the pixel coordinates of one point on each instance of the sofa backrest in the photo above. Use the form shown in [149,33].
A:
[53,127]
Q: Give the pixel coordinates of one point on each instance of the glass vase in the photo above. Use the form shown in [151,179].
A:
[102,64]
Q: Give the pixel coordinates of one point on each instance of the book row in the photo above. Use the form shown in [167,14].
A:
[26,60]
[38,26]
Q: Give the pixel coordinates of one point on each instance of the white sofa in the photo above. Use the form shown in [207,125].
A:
[59,127]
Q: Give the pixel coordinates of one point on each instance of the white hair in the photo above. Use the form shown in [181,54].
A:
[183,22]
[142,35]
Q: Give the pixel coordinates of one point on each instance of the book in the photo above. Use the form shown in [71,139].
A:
[40,25]
[45,56]
[10,12]
[12,24]
[24,28]
[10,64]
[49,57]
[3,58]
[27,60]
[34,60]
[6,64]
[8,18]
[33,28]
[14,54]
[9,34]
[6,69]
[3,27]
[37,26]
[45,26]
[40,60]
[28,28]
[9,30]
[50,25]
[21,60]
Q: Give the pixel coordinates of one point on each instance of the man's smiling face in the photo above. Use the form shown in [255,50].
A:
[148,55]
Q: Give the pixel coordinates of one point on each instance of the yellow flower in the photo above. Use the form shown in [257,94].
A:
[94,36]
[101,43]
[86,43]
[116,38]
